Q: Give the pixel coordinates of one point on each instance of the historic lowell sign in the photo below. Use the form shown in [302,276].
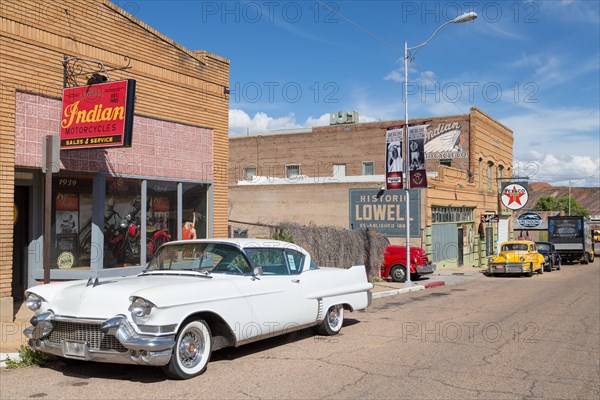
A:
[98,115]
[385,214]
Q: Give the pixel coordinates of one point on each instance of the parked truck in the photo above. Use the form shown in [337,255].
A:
[394,263]
[572,238]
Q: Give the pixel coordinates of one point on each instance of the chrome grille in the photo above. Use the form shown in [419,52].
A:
[84,333]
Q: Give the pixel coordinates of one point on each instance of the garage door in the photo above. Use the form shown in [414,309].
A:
[444,242]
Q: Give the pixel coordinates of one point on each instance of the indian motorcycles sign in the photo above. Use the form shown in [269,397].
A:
[447,140]
[97,116]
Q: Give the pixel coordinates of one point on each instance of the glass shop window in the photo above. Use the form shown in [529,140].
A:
[161,224]
[71,222]
[195,210]
[122,222]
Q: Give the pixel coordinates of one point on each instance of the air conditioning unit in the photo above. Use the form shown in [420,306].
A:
[343,117]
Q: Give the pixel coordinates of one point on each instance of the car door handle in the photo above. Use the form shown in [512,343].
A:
[295,280]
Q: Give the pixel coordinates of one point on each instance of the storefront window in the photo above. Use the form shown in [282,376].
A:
[71,222]
[122,222]
[161,226]
[194,211]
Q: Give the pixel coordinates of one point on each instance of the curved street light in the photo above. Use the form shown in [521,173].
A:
[465,17]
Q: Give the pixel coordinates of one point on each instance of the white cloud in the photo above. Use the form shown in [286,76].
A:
[323,120]
[558,169]
[395,76]
[550,70]
[240,122]
[557,145]
[562,130]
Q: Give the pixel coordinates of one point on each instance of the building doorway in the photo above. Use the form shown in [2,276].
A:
[20,241]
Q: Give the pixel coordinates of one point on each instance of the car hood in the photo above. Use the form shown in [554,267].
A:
[110,296]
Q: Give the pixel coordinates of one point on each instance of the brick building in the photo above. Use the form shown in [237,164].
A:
[330,175]
[175,170]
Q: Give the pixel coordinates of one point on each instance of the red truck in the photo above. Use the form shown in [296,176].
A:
[394,263]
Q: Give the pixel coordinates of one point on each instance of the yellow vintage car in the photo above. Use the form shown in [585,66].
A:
[516,257]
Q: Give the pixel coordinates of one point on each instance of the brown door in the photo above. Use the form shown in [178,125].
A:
[20,241]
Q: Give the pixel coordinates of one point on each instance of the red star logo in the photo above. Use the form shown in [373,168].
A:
[514,196]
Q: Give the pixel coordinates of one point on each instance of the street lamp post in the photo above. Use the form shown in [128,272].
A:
[468,16]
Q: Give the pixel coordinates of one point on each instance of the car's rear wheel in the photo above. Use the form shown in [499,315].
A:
[398,273]
[334,319]
[192,351]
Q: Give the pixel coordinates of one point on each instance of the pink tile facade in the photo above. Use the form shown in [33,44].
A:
[160,149]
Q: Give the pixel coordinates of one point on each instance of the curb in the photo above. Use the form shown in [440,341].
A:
[434,284]
[394,292]
[12,356]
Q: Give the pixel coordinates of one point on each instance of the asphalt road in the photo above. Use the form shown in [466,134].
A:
[490,338]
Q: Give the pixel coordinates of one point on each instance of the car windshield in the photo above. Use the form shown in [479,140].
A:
[514,246]
[209,257]
[543,247]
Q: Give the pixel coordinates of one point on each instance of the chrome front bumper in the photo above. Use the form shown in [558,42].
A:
[509,268]
[114,340]
[425,269]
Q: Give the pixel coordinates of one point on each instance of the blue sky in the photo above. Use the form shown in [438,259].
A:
[533,65]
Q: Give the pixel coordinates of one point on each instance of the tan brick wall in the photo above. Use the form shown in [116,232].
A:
[317,151]
[173,83]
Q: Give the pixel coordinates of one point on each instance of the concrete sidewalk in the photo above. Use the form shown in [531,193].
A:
[443,277]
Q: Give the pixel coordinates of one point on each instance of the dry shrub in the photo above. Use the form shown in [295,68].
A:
[338,247]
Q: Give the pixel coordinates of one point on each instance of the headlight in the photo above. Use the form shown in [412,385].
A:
[124,223]
[141,307]
[522,259]
[34,302]
[546,258]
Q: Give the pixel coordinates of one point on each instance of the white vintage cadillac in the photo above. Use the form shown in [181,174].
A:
[194,297]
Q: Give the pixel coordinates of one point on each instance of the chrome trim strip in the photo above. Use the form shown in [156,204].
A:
[276,333]
[122,329]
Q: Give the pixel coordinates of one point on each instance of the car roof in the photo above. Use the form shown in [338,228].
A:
[247,243]
[518,242]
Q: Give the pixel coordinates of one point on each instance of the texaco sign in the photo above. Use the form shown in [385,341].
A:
[514,196]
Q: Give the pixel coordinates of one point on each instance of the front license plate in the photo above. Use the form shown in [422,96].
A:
[75,349]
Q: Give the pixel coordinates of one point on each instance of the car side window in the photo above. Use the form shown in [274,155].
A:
[295,261]
[272,261]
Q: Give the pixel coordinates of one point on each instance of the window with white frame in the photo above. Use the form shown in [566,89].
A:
[368,168]
[249,173]
[339,170]
[292,170]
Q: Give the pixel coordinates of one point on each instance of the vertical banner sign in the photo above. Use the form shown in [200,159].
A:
[393,158]
[98,115]
[416,147]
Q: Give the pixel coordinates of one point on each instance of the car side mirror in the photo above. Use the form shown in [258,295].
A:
[258,271]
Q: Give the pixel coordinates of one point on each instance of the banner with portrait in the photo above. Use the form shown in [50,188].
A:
[393,158]
[416,160]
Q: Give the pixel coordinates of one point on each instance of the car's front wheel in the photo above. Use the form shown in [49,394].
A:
[398,273]
[192,351]
[334,319]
